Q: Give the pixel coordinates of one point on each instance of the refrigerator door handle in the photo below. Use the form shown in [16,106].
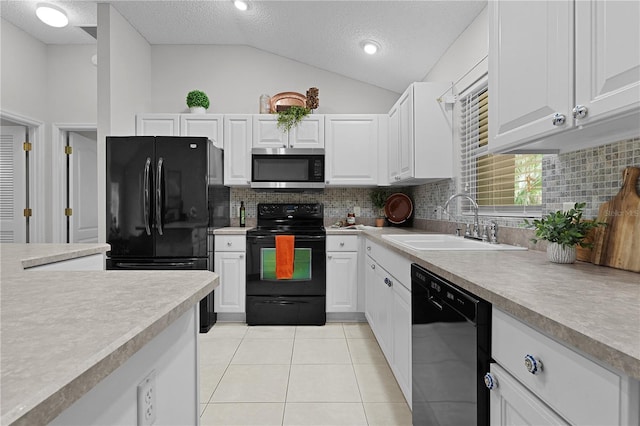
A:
[159,188]
[147,197]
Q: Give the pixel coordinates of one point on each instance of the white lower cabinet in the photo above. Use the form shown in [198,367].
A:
[555,384]
[342,273]
[388,310]
[230,265]
[512,404]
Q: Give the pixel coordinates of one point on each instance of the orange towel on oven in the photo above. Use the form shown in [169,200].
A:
[285,245]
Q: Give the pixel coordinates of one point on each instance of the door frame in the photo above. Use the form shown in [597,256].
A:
[37,176]
[59,173]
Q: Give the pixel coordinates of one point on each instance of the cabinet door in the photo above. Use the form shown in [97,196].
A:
[237,153]
[351,156]
[158,125]
[383,312]
[342,281]
[530,70]
[230,295]
[266,133]
[607,58]
[402,338]
[309,133]
[393,145]
[512,404]
[405,135]
[209,125]
[369,292]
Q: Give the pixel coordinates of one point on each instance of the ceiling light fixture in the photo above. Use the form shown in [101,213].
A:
[241,5]
[370,47]
[52,15]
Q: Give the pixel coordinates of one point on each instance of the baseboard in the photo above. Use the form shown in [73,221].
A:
[346,317]
[232,317]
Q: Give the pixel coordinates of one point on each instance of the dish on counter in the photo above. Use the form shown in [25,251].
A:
[398,208]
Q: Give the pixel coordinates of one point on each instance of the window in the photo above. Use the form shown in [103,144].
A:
[502,185]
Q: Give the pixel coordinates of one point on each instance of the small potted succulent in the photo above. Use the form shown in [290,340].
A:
[378,197]
[197,101]
[291,116]
[563,230]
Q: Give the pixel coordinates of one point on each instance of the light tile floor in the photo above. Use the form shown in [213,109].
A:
[287,375]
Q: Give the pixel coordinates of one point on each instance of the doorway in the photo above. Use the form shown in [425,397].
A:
[82,187]
[14,183]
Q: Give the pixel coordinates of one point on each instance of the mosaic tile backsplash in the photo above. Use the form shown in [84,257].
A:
[592,175]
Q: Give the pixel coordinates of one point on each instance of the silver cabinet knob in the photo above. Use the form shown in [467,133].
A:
[329,257]
[580,111]
[241,256]
[490,382]
[373,266]
[558,119]
[368,248]
[228,243]
[327,182]
[533,365]
[341,244]
[284,145]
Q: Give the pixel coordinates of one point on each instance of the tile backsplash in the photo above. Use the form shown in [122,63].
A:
[592,176]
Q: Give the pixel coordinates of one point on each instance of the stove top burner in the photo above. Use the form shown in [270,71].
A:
[279,218]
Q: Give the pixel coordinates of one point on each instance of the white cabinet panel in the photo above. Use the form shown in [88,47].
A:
[230,295]
[402,339]
[266,133]
[342,281]
[309,133]
[158,125]
[351,150]
[512,404]
[208,125]
[237,142]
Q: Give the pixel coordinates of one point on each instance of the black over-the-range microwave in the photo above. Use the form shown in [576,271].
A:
[287,168]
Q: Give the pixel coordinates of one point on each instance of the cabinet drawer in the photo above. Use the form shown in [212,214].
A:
[568,382]
[342,243]
[396,264]
[230,243]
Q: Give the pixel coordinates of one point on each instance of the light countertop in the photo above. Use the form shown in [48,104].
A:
[63,332]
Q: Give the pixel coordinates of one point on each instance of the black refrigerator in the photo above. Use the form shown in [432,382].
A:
[163,195]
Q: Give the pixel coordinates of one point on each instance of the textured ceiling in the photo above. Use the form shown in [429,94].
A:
[325,34]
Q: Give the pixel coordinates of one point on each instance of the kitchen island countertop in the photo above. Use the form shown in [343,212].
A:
[63,332]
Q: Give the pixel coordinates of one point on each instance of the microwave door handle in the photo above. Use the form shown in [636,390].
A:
[146,197]
[159,192]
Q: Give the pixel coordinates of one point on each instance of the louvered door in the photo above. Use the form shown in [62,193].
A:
[12,185]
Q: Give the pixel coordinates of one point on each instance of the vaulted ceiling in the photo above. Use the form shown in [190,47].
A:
[412,35]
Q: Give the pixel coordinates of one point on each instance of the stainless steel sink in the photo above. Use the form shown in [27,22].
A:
[444,242]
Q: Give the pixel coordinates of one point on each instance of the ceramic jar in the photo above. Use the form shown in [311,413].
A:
[557,253]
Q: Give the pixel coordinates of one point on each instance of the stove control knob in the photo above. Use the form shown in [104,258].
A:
[490,381]
[533,365]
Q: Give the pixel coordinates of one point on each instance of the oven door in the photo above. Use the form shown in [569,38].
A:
[309,267]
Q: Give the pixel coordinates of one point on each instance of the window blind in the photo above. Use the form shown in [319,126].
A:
[501,184]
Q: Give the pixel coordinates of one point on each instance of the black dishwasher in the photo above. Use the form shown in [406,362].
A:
[451,340]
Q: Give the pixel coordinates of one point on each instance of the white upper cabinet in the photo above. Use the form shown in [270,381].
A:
[540,99]
[309,133]
[237,153]
[351,156]
[420,141]
[209,125]
[158,125]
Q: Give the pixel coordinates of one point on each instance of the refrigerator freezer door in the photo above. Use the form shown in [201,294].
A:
[130,164]
[181,223]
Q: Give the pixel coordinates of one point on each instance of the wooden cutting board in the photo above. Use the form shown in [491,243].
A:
[618,244]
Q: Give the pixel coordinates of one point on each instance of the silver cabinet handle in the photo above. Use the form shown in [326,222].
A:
[388,282]
[580,111]
[558,119]
[532,364]
[490,382]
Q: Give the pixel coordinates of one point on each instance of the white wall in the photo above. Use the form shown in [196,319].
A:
[234,77]
[124,74]
[72,83]
[466,58]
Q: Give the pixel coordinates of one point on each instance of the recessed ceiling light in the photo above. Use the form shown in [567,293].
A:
[52,15]
[370,47]
[241,5]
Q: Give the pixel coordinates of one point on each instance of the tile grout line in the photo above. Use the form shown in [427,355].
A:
[366,419]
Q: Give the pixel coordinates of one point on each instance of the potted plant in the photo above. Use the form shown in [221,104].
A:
[563,230]
[378,198]
[197,101]
[291,116]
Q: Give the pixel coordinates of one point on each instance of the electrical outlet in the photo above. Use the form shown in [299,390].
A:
[356,211]
[147,400]
[567,206]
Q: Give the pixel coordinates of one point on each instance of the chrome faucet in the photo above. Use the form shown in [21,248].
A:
[476,223]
